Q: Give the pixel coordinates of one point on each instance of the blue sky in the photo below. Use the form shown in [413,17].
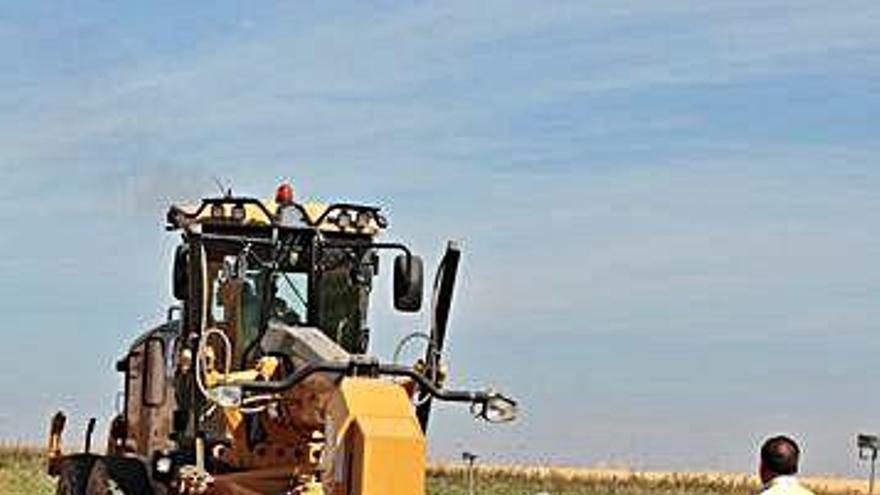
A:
[669,211]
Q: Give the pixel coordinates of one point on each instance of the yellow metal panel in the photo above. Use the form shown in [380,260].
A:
[369,396]
[377,444]
[394,457]
[314,210]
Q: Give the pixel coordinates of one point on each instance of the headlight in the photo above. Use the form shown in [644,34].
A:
[363,220]
[163,465]
[343,220]
[238,212]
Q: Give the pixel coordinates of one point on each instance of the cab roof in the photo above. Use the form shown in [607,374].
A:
[338,218]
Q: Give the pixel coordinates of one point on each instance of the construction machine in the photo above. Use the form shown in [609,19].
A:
[260,381]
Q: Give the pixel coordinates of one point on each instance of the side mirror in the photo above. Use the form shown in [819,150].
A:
[180,273]
[408,283]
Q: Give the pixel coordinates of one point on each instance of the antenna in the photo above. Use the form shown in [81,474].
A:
[224,190]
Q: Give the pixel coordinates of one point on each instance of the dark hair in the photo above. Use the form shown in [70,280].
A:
[780,455]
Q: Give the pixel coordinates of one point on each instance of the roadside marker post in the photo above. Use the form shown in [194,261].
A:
[470,458]
[868,447]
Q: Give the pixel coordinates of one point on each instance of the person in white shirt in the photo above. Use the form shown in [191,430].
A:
[779,465]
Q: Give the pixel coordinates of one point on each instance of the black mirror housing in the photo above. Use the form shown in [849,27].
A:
[408,283]
[180,273]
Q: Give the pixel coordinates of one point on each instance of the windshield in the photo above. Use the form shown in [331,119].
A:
[290,303]
[343,291]
[336,302]
[237,296]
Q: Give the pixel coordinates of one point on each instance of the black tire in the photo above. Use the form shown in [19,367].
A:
[118,476]
[74,474]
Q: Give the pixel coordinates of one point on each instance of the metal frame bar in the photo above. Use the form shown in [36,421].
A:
[175,213]
[365,367]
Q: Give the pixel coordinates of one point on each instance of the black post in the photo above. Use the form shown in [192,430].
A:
[868,446]
[90,429]
[444,286]
[470,459]
[873,471]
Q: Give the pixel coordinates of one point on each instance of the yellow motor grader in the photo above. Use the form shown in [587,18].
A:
[260,382]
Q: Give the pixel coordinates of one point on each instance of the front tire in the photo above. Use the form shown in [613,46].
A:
[118,476]
[74,475]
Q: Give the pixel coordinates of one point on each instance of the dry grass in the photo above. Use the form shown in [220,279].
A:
[23,472]
[527,480]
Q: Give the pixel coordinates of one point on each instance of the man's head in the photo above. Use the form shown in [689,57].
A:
[779,457]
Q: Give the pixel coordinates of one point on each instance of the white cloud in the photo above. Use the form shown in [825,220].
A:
[346,81]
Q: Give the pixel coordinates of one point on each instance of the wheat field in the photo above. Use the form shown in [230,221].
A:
[530,480]
[22,472]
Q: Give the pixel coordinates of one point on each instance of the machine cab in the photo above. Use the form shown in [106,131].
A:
[242,265]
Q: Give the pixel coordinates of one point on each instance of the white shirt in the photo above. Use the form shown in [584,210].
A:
[785,485]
